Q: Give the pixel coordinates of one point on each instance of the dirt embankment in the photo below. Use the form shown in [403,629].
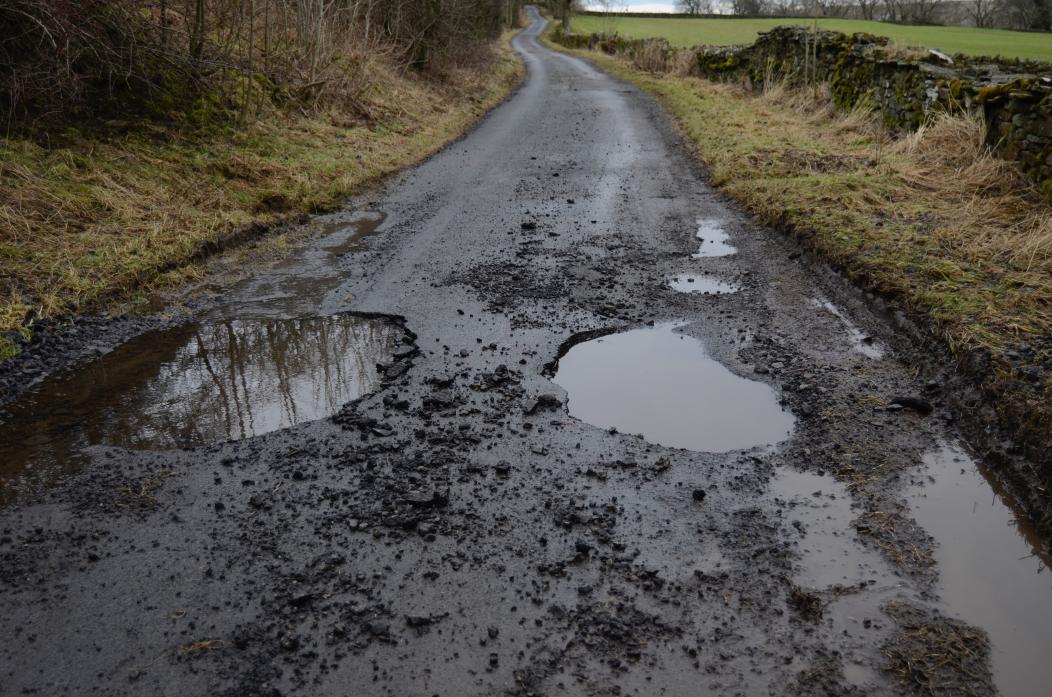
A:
[105,215]
[952,241]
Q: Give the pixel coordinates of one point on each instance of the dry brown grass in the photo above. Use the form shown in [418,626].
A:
[99,219]
[652,56]
[987,207]
[199,647]
[890,531]
[935,656]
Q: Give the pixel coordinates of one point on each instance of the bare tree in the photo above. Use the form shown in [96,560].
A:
[983,12]
[894,10]
[921,11]
[694,7]
[563,10]
[749,7]
[1029,14]
[150,57]
[867,9]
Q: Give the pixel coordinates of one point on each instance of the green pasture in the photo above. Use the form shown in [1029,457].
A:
[732,30]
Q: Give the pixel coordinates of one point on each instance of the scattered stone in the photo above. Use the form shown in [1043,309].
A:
[546,402]
[917,404]
[423,499]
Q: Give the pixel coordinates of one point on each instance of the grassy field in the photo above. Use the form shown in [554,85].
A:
[722,32]
[103,217]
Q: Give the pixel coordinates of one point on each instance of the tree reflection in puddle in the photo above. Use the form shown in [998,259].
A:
[195,384]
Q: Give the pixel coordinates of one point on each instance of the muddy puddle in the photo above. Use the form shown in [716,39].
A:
[194,384]
[714,239]
[701,284]
[819,512]
[303,283]
[859,340]
[662,385]
[345,232]
[990,572]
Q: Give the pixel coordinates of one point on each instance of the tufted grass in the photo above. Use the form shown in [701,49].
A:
[97,217]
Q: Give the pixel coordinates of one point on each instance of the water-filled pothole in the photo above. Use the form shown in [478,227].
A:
[194,384]
[660,384]
[701,284]
[991,571]
[713,239]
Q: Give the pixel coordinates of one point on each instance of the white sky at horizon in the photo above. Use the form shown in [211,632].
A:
[718,6]
[622,6]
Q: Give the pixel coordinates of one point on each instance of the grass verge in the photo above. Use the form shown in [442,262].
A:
[98,216]
[933,221]
[687,32]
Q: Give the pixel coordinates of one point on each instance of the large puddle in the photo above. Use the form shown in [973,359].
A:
[713,239]
[195,384]
[990,571]
[662,385]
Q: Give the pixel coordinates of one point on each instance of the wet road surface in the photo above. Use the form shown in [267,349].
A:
[563,475]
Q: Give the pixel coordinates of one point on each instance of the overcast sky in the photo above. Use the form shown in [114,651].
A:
[637,6]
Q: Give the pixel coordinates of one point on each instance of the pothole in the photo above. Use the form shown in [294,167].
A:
[714,239]
[992,573]
[690,283]
[662,385]
[197,383]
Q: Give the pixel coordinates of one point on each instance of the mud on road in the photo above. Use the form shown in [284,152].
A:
[612,438]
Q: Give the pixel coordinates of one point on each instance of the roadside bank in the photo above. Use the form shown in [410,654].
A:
[99,217]
[950,240]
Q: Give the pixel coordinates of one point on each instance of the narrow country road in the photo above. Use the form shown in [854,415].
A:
[622,441]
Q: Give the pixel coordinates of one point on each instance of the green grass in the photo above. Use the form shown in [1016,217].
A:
[723,32]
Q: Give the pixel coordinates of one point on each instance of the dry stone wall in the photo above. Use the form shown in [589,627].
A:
[1014,97]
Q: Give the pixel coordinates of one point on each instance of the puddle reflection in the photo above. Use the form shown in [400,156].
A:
[701,284]
[990,572]
[194,384]
[713,239]
[662,385]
